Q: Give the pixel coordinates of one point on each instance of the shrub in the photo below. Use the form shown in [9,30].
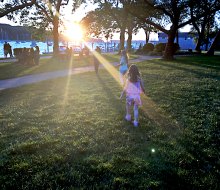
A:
[148,47]
[160,47]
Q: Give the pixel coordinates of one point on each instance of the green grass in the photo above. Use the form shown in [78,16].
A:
[69,133]
[12,70]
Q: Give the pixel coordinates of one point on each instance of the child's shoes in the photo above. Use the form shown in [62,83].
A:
[135,123]
[128,117]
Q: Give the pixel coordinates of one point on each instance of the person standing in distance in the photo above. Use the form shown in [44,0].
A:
[96,59]
[123,66]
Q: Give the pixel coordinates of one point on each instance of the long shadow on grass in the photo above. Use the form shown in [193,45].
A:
[109,93]
[211,62]
[200,74]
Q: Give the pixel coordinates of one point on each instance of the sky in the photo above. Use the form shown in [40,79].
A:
[81,12]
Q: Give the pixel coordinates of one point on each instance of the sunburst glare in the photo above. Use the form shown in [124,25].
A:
[108,66]
[73,32]
[66,91]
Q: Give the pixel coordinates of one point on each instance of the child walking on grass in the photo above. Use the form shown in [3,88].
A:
[123,65]
[133,88]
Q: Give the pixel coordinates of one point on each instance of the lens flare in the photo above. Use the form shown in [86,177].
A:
[73,32]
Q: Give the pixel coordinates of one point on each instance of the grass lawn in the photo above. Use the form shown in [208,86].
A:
[70,133]
[12,70]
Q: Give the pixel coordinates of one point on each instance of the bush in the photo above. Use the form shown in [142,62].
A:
[148,47]
[160,47]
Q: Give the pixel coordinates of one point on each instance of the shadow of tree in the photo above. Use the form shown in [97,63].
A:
[182,66]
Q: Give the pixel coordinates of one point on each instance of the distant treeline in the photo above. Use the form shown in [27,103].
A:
[17,33]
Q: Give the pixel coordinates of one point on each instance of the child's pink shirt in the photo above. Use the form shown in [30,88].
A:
[133,91]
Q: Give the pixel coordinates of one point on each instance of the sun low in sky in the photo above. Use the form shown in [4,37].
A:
[73,31]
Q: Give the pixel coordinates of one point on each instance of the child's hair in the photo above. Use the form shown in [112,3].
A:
[133,73]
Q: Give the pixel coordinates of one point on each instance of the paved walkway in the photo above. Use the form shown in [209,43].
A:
[13,59]
[29,79]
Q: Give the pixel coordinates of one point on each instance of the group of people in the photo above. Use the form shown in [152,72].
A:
[29,56]
[131,81]
[7,50]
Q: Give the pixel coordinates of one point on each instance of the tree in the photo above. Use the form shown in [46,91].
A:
[132,27]
[119,14]
[96,25]
[52,12]
[122,22]
[214,43]
[205,25]
[51,15]
[43,12]
[141,12]
[176,12]
[8,7]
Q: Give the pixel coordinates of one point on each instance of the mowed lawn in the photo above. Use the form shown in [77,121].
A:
[13,70]
[70,133]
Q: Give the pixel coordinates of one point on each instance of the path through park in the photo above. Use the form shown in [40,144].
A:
[29,79]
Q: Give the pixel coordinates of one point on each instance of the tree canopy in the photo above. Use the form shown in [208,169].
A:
[176,13]
[8,6]
[124,16]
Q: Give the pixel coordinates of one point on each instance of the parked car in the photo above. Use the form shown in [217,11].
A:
[76,49]
[62,49]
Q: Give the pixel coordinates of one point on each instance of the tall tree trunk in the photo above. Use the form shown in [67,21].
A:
[177,37]
[207,37]
[56,28]
[56,36]
[214,43]
[122,39]
[168,54]
[199,42]
[123,28]
[201,34]
[129,40]
[147,36]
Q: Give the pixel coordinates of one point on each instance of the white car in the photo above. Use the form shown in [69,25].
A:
[76,49]
[62,49]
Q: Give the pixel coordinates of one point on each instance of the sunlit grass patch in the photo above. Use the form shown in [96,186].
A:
[56,137]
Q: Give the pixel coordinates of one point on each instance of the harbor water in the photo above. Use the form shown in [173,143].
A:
[48,47]
[42,45]
[45,47]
